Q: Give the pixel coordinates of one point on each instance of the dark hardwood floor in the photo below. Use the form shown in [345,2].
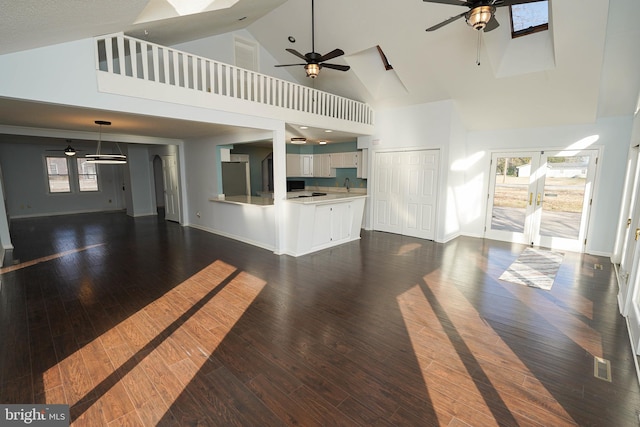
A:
[143,322]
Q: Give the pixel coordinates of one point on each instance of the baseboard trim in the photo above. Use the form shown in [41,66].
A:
[234,237]
[40,215]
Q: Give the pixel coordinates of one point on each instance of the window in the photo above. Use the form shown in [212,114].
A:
[87,175]
[58,174]
[528,18]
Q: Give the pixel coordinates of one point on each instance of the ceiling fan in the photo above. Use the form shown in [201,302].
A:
[69,151]
[313,60]
[481,13]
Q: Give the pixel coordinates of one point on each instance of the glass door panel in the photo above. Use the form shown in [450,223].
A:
[540,199]
[565,196]
[510,196]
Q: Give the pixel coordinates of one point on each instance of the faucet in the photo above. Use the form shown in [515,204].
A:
[346,183]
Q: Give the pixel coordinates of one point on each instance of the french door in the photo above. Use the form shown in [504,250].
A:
[629,268]
[541,198]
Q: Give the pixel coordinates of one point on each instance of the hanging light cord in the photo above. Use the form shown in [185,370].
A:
[480,31]
[478,50]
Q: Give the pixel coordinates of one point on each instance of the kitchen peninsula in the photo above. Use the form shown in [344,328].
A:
[320,222]
[313,222]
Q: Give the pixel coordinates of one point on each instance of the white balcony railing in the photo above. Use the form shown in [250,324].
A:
[127,56]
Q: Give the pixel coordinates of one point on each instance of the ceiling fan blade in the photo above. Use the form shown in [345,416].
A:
[288,65]
[336,67]
[448,21]
[333,54]
[296,53]
[451,2]
[492,24]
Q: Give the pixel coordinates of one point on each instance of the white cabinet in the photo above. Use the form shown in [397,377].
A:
[299,165]
[317,223]
[363,164]
[239,158]
[344,160]
[306,164]
[350,160]
[325,165]
[293,165]
[332,224]
[322,166]
[336,160]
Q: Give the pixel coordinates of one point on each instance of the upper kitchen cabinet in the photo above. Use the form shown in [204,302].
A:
[322,166]
[344,160]
[299,165]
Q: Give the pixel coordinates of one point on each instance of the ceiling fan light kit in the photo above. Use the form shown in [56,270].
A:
[481,13]
[69,151]
[312,70]
[479,17]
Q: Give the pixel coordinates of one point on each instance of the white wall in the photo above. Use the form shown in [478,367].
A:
[221,48]
[251,224]
[425,126]
[465,161]
[139,173]
[611,135]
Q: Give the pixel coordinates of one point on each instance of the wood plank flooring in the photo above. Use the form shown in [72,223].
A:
[143,322]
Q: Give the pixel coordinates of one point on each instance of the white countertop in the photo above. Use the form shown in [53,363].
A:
[245,200]
[291,197]
[328,198]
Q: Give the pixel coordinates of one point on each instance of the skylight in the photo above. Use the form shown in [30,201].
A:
[529,18]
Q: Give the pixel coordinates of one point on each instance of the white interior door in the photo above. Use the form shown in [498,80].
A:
[171,194]
[421,169]
[541,198]
[627,252]
[405,192]
[387,193]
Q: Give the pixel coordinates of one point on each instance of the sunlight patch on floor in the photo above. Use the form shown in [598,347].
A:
[407,248]
[570,325]
[160,348]
[46,258]
[475,356]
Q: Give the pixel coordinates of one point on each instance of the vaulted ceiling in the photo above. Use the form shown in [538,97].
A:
[586,66]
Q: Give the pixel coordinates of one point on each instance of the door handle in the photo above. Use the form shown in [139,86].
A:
[538,200]
[637,233]
[628,222]
[530,198]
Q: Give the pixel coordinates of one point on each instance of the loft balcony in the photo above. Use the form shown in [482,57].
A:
[133,67]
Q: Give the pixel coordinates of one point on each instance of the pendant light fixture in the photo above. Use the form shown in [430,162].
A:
[105,159]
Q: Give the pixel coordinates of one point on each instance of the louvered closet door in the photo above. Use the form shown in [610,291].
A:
[405,192]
